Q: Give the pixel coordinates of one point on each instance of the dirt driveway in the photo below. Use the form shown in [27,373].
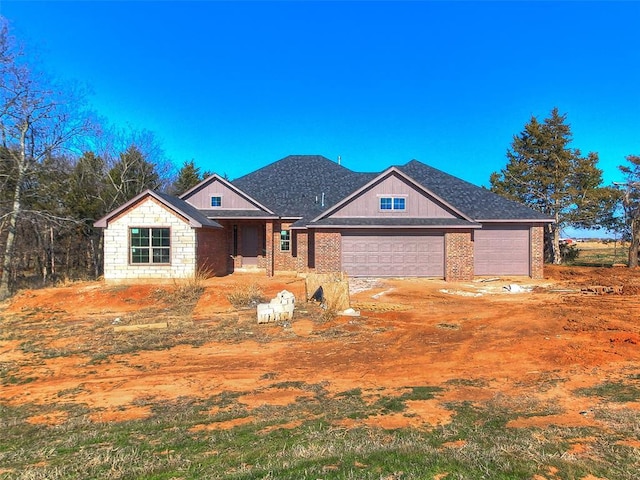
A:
[479,339]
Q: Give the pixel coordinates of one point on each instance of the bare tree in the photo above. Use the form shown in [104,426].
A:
[36,122]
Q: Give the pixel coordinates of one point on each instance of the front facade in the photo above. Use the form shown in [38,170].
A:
[307,213]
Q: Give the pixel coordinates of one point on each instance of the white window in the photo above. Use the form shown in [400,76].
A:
[393,203]
[216,201]
[285,241]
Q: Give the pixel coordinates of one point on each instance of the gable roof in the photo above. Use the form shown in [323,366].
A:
[193,215]
[231,186]
[381,177]
[476,202]
[310,187]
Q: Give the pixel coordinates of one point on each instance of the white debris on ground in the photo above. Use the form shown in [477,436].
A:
[460,293]
[515,288]
[350,312]
[362,284]
[279,309]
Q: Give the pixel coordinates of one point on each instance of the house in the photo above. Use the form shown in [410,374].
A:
[307,213]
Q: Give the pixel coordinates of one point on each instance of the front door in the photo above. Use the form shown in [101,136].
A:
[249,245]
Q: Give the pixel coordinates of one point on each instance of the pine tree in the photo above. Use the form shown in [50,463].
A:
[544,173]
[188,176]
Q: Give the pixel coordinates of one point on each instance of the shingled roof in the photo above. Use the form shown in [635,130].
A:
[475,202]
[301,186]
[304,186]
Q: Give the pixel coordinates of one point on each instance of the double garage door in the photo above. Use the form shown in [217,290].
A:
[394,254]
[501,250]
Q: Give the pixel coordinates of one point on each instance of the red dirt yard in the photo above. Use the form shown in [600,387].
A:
[477,340]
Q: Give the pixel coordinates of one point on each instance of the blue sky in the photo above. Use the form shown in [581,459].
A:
[237,85]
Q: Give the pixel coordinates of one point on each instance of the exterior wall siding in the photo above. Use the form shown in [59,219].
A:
[328,249]
[230,199]
[458,256]
[537,252]
[149,213]
[418,205]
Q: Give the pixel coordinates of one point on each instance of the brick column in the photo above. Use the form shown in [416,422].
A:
[328,251]
[269,247]
[537,252]
[302,250]
[458,256]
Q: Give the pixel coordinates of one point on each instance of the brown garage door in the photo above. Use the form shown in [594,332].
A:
[501,250]
[408,254]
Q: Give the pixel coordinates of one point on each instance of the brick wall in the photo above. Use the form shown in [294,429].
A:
[328,250]
[269,246]
[301,250]
[213,254]
[537,252]
[149,213]
[283,261]
[458,256]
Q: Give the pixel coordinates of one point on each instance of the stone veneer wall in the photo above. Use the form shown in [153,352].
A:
[328,249]
[537,252]
[149,213]
[458,264]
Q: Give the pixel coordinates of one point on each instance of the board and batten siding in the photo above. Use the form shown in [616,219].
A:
[418,205]
[230,199]
[149,213]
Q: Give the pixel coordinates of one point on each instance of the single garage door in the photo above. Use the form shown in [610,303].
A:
[409,254]
[501,250]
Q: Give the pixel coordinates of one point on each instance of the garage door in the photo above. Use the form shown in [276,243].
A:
[395,254]
[501,250]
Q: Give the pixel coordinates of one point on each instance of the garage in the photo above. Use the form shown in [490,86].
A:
[501,250]
[393,254]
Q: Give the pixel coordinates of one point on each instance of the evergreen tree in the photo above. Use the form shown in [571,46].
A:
[188,176]
[544,173]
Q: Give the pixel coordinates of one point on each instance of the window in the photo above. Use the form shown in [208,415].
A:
[393,203]
[150,245]
[216,201]
[285,241]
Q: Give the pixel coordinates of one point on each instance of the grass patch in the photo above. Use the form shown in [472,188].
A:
[620,392]
[169,444]
[601,255]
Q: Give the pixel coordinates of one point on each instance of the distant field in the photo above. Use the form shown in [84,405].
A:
[601,254]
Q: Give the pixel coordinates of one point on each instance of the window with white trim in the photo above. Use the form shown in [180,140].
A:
[216,201]
[393,203]
[150,245]
[285,240]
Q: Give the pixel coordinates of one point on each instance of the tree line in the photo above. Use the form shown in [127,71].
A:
[61,168]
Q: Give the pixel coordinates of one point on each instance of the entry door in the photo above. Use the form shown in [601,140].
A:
[249,245]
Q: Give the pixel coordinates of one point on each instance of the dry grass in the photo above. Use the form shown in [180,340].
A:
[246,296]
